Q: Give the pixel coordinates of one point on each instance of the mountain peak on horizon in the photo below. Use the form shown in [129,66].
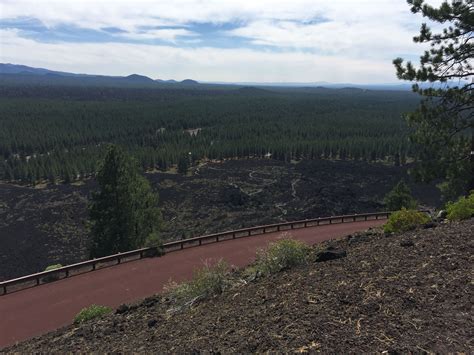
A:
[138,77]
[189,81]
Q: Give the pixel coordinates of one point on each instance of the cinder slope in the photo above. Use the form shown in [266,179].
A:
[406,293]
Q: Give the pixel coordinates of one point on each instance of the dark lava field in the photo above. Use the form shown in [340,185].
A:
[44,226]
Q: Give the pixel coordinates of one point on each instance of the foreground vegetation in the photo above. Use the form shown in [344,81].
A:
[463,208]
[92,312]
[405,220]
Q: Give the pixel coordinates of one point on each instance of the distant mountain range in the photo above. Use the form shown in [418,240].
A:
[22,72]
[402,86]
[16,74]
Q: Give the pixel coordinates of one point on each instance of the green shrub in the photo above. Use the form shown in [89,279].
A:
[52,277]
[153,241]
[281,255]
[91,312]
[405,220]
[207,281]
[463,208]
[53,267]
[400,197]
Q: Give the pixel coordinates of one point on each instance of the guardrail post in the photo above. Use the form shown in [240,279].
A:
[233,236]
[365,218]
[278,228]
[376,216]
[4,290]
[217,238]
[93,266]
[330,221]
[118,260]
[37,281]
[200,241]
[141,254]
[182,245]
[292,226]
[67,273]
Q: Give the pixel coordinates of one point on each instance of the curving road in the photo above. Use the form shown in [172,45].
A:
[38,310]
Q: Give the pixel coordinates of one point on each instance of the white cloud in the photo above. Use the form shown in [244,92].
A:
[355,40]
[211,64]
[168,34]
[332,38]
[129,15]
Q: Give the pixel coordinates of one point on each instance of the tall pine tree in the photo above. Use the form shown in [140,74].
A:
[444,122]
[124,212]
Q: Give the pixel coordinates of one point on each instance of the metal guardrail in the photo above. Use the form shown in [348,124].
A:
[40,278]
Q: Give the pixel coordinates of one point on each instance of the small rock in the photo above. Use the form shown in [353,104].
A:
[441,215]
[332,254]
[407,243]
[358,238]
[430,225]
[152,323]
[149,302]
[122,309]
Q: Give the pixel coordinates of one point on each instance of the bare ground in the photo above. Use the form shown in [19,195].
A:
[410,293]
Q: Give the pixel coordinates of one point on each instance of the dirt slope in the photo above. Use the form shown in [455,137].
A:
[407,293]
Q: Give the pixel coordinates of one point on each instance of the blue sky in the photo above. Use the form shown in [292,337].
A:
[213,40]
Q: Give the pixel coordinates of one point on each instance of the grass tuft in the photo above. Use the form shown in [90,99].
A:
[207,281]
[281,255]
[91,312]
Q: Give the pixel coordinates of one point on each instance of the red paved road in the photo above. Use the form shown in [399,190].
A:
[38,310]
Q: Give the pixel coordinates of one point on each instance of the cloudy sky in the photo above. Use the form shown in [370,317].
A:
[213,40]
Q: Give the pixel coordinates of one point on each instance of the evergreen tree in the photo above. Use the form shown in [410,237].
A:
[400,197]
[183,165]
[444,122]
[124,212]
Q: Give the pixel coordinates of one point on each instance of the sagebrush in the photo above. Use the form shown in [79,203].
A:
[207,281]
[281,255]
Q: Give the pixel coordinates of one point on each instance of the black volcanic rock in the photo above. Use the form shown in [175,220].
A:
[330,254]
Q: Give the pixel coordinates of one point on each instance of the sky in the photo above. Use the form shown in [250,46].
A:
[304,41]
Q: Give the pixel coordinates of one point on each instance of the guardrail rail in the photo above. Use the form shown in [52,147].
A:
[40,278]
